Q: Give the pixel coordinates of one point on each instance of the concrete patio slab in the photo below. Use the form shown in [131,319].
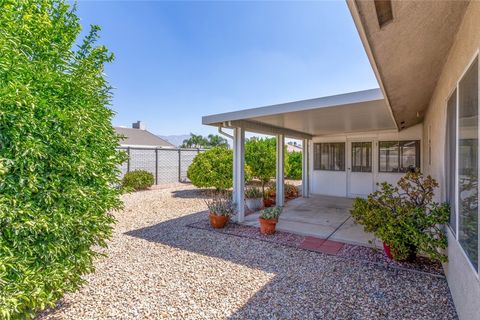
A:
[320,216]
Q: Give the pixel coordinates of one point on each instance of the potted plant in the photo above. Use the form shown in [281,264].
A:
[291,191]
[405,218]
[253,198]
[269,196]
[268,219]
[220,209]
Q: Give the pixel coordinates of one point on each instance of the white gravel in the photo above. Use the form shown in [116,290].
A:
[158,267]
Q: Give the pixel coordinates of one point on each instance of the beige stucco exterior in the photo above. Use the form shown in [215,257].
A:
[463,281]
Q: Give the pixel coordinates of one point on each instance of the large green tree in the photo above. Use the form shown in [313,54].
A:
[58,158]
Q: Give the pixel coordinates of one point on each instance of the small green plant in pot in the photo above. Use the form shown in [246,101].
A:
[253,198]
[268,219]
[220,208]
[405,218]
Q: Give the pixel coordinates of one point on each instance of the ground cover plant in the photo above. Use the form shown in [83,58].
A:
[58,157]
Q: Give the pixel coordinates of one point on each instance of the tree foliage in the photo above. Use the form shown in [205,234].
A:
[293,165]
[58,157]
[260,156]
[214,169]
[199,141]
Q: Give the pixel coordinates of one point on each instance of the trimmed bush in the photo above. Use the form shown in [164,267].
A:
[212,169]
[137,180]
[58,157]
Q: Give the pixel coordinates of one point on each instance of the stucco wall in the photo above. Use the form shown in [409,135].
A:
[464,283]
[335,182]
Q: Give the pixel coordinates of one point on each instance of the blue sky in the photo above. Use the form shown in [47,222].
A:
[177,61]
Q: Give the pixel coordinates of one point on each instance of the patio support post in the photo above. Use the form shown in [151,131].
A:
[239,172]
[280,195]
[305,169]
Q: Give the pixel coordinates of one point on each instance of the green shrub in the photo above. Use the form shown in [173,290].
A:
[405,217]
[137,180]
[293,165]
[58,157]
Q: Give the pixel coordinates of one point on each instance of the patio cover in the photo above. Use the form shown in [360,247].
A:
[344,113]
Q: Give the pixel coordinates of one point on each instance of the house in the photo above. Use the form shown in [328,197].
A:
[293,146]
[139,137]
[424,115]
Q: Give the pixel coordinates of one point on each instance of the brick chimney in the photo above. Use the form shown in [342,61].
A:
[139,125]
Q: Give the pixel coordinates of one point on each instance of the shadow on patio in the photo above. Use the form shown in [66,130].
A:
[308,285]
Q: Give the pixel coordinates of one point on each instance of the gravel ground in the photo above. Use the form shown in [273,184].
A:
[158,267]
[348,251]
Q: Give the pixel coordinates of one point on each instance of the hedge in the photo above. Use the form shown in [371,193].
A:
[58,157]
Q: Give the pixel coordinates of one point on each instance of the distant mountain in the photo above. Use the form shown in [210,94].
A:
[176,140]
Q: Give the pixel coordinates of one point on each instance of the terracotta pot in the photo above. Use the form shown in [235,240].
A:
[412,255]
[217,221]
[267,226]
[268,202]
[387,250]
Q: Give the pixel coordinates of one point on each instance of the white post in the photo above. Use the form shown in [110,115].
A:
[305,169]
[280,197]
[239,172]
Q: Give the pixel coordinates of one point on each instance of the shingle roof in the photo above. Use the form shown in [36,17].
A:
[141,138]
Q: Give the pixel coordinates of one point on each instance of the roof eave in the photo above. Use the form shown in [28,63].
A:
[352,6]
[296,106]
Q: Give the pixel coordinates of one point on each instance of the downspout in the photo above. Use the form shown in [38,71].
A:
[223,133]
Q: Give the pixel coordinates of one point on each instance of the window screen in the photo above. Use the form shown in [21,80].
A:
[329,156]
[361,157]
[398,156]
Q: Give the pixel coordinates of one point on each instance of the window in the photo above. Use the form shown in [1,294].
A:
[329,156]
[398,156]
[361,157]
[450,157]
[467,166]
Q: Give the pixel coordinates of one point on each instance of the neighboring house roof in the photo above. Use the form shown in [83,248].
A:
[350,112]
[294,148]
[141,138]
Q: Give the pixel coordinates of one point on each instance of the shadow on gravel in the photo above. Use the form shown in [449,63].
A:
[309,285]
[193,193]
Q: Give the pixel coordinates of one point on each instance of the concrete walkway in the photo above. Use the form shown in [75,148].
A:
[319,216]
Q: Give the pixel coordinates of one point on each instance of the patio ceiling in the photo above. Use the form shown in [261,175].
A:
[351,112]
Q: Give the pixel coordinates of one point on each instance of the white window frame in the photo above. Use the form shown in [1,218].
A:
[457,203]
